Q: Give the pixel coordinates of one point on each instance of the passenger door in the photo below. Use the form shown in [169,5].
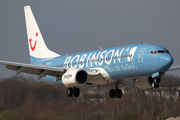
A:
[140,55]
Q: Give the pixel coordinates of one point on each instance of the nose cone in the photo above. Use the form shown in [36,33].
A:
[166,62]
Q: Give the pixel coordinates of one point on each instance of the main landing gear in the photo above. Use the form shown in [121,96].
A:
[74,90]
[115,92]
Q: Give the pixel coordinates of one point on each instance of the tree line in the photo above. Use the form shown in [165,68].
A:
[23,98]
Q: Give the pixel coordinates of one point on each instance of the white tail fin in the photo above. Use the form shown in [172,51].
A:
[37,46]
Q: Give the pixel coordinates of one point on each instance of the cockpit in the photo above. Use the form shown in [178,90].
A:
[159,51]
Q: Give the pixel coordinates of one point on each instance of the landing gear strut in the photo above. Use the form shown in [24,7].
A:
[74,90]
[117,92]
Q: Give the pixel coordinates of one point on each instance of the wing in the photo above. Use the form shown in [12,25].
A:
[172,68]
[42,71]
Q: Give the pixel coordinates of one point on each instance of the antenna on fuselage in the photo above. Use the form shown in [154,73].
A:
[100,48]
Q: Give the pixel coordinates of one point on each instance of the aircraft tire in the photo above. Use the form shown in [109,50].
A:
[70,92]
[112,93]
[118,93]
[76,92]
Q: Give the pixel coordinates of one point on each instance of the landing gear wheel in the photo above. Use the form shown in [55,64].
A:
[118,93]
[70,92]
[76,92]
[112,93]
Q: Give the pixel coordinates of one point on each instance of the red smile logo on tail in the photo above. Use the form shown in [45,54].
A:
[33,47]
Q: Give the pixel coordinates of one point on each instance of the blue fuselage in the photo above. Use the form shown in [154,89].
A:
[119,62]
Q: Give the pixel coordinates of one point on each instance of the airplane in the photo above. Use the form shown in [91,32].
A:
[139,64]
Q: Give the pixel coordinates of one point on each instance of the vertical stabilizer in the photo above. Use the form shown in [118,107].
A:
[37,46]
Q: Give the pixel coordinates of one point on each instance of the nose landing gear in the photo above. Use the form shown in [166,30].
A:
[155,83]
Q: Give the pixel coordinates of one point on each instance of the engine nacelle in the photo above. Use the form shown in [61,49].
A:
[75,77]
[146,82]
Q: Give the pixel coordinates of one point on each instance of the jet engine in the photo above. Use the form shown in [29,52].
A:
[75,77]
[147,82]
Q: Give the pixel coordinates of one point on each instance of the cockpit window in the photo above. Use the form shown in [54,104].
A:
[167,51]
[161,51]
[158,51]
[153,52]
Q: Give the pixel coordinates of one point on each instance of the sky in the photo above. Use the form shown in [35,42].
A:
[71,26]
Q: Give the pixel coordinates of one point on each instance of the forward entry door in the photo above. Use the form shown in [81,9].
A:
[140,55]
